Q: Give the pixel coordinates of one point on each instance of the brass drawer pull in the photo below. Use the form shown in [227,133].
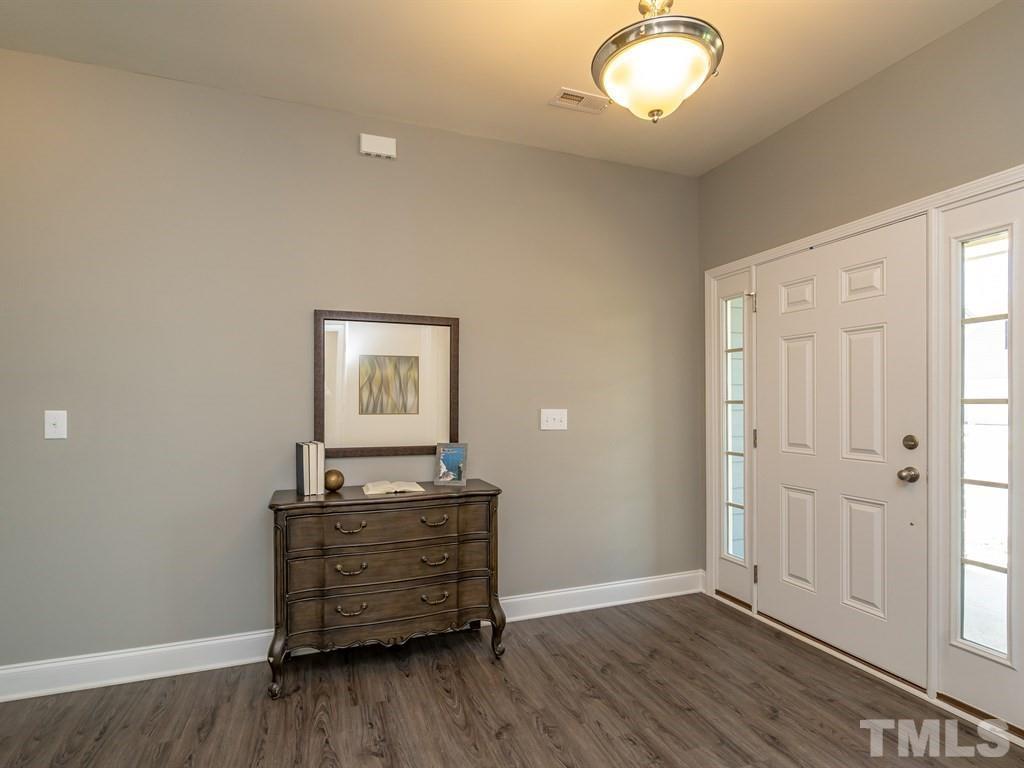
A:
[343,572]
[338,527]
[343,612]
[434,563]
[438,524]
[428,601]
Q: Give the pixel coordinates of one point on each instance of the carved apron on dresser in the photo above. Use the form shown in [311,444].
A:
[351,569]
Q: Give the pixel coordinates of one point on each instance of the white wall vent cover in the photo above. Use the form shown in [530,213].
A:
[378,146]
[579,101]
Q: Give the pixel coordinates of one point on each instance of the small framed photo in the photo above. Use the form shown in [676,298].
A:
[451,464]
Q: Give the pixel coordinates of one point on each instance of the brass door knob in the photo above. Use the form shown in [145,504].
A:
[909,474]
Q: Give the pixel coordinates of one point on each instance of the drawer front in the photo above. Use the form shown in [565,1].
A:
[386,605]
[382,567]
[474,517]
[358,528]
[388,633]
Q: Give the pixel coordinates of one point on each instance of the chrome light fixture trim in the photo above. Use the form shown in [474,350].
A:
[690,27]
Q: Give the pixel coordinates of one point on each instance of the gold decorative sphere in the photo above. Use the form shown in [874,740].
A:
[333,479]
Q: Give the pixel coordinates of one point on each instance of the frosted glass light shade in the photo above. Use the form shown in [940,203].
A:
[652,66]
[656,75]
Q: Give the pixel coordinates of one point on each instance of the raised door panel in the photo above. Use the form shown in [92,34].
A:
[863,395]
[798,536]
[863,554]
[798,394]
[797,295]
[862,281]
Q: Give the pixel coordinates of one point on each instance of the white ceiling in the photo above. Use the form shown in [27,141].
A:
[488,67]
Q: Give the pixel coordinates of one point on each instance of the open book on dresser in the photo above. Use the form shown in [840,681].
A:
[391,486]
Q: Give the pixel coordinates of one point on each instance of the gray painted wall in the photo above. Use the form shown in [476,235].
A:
[949,113]
[162,248]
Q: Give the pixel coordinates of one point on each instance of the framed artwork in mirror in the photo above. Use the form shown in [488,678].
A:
[384,385]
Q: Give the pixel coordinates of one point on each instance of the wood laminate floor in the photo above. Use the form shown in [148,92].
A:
[685,681]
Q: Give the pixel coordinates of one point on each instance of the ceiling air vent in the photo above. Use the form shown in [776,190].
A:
[579,101]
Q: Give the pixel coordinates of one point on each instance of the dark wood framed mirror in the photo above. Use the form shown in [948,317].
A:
[384,385]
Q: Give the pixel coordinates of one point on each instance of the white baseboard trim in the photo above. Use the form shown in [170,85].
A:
[538,604]
[95,670]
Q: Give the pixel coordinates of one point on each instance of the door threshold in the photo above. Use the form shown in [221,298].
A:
[979,713]
[881,671]
[741,603]
[960,710]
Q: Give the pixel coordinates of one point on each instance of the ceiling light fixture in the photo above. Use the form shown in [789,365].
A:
[653,65]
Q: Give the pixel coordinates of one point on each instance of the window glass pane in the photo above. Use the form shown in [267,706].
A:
[985,356]
[734,425]
[734,428]
[734,479]
[984,607]
[735,535]
[986,524]
[734,376]
[734,323]
[986,275]
[986,443]
[985,529]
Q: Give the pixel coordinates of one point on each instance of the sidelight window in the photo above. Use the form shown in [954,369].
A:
[985,440]
[733,459]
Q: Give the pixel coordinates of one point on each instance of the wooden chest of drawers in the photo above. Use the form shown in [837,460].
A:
[351,569]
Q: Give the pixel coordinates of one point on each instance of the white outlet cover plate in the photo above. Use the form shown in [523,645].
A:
[55,425]
[554,418]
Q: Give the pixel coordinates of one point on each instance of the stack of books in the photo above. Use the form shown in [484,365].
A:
[309,468]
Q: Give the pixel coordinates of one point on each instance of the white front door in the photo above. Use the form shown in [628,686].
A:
[981,659]
[841,391]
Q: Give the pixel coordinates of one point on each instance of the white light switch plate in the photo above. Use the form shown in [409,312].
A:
[554,418]
[55,425]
